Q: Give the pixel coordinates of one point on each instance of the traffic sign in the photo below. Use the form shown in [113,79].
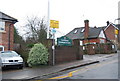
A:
[54,24]
[53,30]
[116,31]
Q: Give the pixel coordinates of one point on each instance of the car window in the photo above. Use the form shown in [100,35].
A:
[8,54]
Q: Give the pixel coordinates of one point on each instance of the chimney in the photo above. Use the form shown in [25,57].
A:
[86,29]
[95,27]
[108,23]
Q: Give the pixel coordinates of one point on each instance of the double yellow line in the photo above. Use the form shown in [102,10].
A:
[70,74]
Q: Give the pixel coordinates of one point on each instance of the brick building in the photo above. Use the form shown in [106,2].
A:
[118,35]
[6,31]
[86,34]
[112,32]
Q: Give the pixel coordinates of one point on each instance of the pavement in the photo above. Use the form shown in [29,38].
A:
[47,70]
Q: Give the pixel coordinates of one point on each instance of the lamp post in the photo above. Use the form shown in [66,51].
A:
[48,20]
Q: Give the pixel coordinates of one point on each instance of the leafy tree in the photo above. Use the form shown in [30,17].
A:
[17,37]
[38,55]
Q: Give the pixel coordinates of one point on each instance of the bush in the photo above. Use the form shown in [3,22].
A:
[30,45]
[38,55]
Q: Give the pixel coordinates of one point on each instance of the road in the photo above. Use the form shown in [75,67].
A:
[106,69]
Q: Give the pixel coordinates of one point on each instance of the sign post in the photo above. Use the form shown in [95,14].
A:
[54,24]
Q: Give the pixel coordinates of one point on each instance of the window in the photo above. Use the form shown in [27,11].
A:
[102,41]
[82,30]
[81,43]
[75,31]
[1,48]
[83,47]
[2,25]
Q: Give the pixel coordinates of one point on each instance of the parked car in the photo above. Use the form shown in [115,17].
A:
[11,58]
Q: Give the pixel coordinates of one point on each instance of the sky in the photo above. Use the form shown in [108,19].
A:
[69,13]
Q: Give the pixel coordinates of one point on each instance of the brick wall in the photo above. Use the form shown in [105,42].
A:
[110,33]
[5,36]
[65,54]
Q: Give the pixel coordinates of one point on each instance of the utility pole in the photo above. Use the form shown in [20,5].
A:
[53,47]
[48,20]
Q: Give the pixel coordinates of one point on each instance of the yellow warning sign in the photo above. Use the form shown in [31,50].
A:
[54,24]
[116,31]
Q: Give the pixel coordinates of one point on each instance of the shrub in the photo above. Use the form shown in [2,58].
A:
[30,45]
[38,55]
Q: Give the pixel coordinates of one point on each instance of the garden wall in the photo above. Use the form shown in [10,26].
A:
[99,48]
[65,54]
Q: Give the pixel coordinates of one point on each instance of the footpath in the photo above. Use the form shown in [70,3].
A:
[47,70]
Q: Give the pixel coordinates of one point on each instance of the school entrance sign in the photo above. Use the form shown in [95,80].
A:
[64,41]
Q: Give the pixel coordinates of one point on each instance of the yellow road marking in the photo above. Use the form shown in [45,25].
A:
[70,74]
[39,80]
[59,77]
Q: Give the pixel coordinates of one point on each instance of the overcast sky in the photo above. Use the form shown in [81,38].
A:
[69,13]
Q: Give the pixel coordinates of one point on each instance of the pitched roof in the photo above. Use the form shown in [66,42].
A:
[78,33]
[118,26]
[105,27]
[6,17]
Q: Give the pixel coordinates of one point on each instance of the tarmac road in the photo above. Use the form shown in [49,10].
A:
[106,69]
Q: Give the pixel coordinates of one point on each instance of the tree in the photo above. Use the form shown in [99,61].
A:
[17,37]
[38,55]
[36,29]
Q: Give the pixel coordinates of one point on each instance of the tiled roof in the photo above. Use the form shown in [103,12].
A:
[6,17]
[78,33]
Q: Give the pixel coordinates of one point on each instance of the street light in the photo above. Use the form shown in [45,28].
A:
[48,20]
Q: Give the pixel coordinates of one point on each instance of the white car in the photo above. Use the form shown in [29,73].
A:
[11,58]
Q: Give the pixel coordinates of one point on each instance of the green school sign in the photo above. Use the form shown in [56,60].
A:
[64,41]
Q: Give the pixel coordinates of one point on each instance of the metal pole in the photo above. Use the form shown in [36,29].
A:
[48,20]
[9,36]
[53,47]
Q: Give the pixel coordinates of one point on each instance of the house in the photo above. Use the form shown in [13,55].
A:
[6,31]
[112,33]
[88,35]
[118,26]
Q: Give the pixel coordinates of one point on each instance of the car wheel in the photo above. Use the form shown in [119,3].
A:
[20,67]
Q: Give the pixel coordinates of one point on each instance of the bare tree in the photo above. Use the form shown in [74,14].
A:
[36,29]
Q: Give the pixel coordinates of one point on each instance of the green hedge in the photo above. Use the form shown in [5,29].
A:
[38,55]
